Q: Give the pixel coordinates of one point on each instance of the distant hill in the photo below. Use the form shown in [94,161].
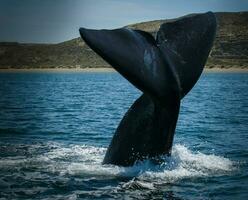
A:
[230,48]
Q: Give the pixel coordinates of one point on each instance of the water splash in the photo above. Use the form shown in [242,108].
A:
[86,160]
[41,162]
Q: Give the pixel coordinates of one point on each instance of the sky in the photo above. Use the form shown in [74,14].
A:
[54,21]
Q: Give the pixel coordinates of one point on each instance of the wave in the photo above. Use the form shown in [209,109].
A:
[77,160]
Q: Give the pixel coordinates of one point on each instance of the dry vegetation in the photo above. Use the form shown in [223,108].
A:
[230,48]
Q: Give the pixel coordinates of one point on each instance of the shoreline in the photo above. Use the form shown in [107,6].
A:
[51,70]
[105,69]
[225,70]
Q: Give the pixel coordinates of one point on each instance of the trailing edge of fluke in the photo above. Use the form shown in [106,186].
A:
[164,69]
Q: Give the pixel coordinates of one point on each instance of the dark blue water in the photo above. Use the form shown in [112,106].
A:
[55,128]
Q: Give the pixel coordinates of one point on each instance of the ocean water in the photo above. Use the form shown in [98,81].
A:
[55,129]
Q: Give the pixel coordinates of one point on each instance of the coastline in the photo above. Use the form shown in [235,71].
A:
[105,69]
[52,70]
[226,70]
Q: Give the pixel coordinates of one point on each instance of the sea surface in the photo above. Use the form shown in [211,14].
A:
[55,129]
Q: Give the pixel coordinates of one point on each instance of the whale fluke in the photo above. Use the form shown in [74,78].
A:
[164,69]
[186,42]
[134,54]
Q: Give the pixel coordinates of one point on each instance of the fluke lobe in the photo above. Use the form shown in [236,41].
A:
[164,69]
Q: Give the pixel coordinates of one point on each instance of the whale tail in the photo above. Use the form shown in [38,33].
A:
[164,69]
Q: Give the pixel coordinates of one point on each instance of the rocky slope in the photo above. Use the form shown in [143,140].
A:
[230,48]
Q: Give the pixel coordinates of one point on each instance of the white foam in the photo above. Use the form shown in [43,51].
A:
[182,164]
[137,184]
[185,164]
[86,161]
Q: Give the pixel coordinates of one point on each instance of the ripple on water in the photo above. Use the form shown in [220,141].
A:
[77,169]
[85,108]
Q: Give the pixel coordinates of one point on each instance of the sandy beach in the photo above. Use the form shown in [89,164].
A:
[100,70]
[226,70]
[65,70]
